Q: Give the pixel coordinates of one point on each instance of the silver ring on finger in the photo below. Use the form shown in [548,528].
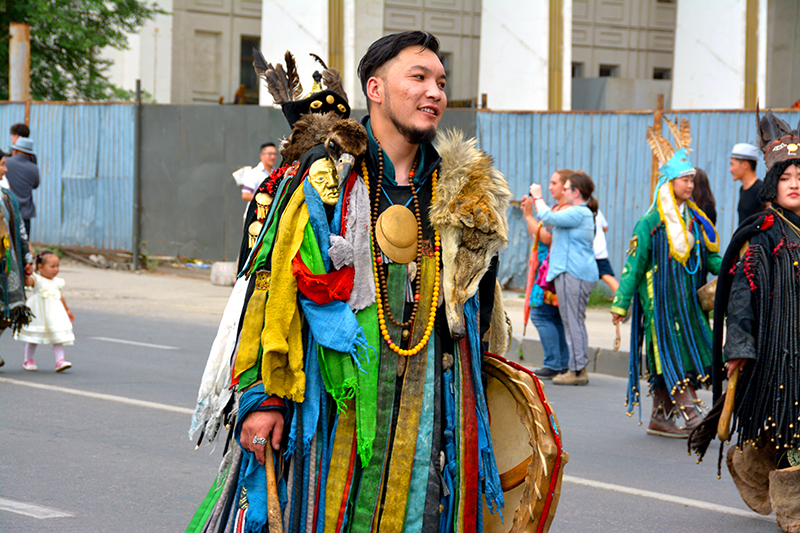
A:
[259,440]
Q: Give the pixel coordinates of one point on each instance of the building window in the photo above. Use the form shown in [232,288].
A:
[577,70]
[609,71]
[662,73]
[248,81]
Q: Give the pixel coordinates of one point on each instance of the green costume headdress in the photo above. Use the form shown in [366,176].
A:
[674,163]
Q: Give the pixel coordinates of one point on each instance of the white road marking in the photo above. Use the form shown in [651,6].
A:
[134,343]
[100,396]
[35,511]
[667,498]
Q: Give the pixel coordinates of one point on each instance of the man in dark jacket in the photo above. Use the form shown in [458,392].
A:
[23,178]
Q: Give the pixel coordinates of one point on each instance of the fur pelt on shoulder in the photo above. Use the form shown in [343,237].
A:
[470,214]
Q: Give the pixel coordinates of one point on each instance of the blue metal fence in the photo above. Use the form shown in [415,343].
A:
[85,154]
[612,149]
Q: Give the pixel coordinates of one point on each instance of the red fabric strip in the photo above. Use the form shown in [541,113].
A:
[323,288]
[469,450]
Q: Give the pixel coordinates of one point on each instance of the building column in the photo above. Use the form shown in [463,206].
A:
[515,58]
[717,55]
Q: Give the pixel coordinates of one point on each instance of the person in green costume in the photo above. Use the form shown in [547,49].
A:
[674,246]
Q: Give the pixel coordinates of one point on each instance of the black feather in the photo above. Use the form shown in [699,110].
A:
[333,81]
[259,63]
[295,87]
[319,60]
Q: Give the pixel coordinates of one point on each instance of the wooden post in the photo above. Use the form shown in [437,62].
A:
[19,71]
[657,127]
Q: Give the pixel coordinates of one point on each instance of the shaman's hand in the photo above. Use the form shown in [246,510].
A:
[263,424]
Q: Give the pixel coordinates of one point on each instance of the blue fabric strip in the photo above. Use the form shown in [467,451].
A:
[450,472]
[324,462]
[422,454]
[487,466]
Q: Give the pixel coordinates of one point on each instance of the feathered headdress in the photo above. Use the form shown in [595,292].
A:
[286,90]
[777,139]
[674,163]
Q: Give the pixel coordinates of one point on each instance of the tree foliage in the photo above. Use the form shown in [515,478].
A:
[67,37]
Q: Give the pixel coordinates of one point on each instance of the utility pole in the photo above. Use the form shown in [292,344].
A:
[19,73]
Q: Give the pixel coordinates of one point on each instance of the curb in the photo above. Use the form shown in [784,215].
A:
[601,360]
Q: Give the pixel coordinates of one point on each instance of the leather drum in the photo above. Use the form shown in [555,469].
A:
[527,445]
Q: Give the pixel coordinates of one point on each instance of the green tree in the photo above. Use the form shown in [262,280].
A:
[66,39]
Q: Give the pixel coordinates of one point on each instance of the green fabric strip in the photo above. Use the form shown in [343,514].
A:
[207,506]
[260,261]
[409,413]
[422,455]
[372,476]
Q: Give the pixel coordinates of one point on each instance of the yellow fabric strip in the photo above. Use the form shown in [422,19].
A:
[281,338]
[653,338]
[340,464]
[405,440]
[250,338]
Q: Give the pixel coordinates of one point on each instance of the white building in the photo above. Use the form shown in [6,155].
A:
[506,54]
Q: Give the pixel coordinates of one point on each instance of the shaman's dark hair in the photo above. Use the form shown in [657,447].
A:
[387,48]
[702,194]
[41,256]
[580,180]
[769,190]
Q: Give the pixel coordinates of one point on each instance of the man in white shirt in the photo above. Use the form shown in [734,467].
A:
[253,178]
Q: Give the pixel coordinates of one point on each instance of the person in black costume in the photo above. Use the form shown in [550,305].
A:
[759,291]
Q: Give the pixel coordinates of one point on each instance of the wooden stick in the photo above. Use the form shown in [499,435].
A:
[617,339]
[273,504]
[724,424]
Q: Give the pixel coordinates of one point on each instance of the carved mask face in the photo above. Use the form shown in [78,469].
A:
[323,177]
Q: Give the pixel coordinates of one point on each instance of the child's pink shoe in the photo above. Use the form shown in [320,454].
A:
[63,365]
[30,365]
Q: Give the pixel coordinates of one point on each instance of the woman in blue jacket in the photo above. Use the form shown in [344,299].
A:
[572,269]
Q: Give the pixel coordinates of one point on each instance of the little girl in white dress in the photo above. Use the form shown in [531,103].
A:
[53,319]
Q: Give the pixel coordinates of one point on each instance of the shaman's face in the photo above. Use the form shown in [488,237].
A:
[788,196]
[410,93]
[683,187]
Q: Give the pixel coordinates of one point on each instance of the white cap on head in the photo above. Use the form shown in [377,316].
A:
[746,151]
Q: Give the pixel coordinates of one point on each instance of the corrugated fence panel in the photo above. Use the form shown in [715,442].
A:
[47,124]
[85,154]
[115,167]
[612,149]
[10,114]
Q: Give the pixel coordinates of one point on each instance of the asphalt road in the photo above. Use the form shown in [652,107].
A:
[82,452]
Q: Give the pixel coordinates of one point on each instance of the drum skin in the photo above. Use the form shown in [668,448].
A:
[527,445]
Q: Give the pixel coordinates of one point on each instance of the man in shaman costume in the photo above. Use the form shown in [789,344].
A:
[673,248]
[348,361]
[758,300]
[16,261]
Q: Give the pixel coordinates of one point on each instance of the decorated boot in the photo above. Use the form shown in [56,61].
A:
[664,419]
[750,469]
[784,492]
[689,407]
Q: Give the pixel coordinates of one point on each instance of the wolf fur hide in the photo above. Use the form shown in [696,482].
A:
[470,214]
